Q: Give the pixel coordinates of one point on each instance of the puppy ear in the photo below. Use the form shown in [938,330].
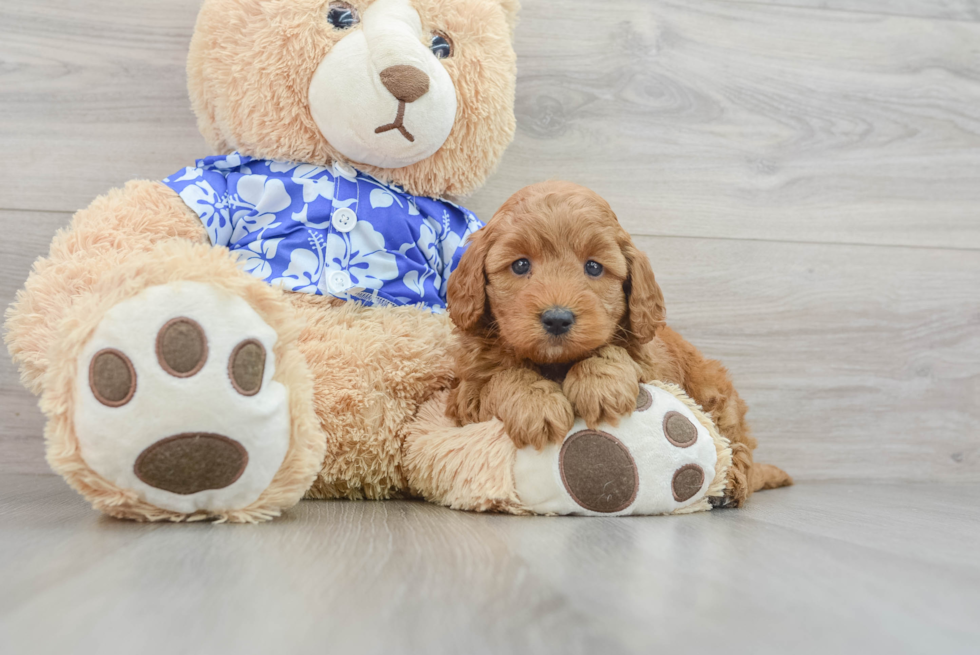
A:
[466,293]
[646,301]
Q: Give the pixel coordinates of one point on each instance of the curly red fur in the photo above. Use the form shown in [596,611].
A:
[510,367]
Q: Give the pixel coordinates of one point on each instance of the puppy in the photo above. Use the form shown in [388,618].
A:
[558,314]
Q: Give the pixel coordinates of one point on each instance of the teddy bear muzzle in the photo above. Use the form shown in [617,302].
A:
[380,96]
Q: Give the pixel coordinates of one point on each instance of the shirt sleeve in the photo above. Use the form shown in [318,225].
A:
[206,193]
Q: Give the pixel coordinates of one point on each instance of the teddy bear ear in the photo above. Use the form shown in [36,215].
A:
[511,9]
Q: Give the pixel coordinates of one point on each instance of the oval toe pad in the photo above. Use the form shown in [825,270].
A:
[598,471]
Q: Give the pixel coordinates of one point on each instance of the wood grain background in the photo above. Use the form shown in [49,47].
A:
[805,175]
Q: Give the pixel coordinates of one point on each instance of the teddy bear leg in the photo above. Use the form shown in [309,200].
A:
[176,390]
[466,468]
[666,458]
[115,226]
[373,369]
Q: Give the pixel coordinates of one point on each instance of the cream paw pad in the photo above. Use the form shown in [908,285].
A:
[177,402]
[666,458]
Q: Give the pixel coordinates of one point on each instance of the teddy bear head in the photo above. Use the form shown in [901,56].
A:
[419,93]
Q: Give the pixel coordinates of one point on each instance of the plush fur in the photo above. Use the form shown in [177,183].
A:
[511,368]
[469,468]
[374,368]
[113,228]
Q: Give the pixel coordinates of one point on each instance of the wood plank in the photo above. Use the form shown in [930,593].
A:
[715,119]
[92,97]
[857,362]
[749,121]
[788,573]
[966,10]
[821,591]
[378,561]
[922,522]
[27,236]
[709,119]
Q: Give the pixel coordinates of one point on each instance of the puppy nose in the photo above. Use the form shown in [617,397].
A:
[558,320]
[406,83]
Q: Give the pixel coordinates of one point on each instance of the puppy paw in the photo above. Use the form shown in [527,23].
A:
[737,489]
[534,410]
[603,387]
[540,414]
[463,404]
[548,420]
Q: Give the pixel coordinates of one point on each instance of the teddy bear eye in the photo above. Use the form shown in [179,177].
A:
[521,266]
[342,16]
[441,46]
[593,269]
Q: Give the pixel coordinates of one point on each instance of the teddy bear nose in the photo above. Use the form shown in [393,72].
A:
[406,83]
[558,320]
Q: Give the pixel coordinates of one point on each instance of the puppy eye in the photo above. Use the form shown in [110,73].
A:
[342,16]
[593,269]
[441,46]
[521,266]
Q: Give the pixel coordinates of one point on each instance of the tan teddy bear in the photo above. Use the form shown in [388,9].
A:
[177,380]
[268,324]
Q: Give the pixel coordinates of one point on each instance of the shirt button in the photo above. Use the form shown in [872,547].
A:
[344,220]
[346,170]
[339,281]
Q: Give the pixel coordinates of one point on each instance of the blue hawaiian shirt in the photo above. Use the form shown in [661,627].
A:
[328,231]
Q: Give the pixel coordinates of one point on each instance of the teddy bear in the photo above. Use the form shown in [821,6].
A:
[269,324]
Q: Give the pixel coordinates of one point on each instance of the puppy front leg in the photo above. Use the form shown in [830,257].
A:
[533,410]
[604,387]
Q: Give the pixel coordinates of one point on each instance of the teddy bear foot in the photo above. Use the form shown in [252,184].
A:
[176,400]
[666,458]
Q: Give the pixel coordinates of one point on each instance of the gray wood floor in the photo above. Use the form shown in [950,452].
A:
[819,568]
